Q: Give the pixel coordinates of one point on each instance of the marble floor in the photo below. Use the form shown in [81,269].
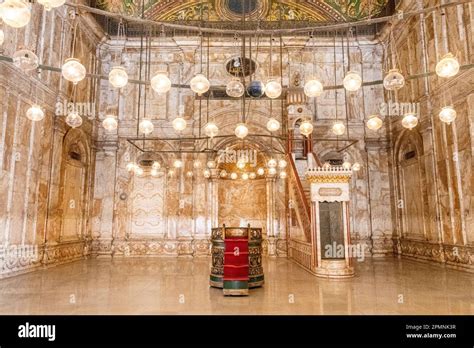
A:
[180,286]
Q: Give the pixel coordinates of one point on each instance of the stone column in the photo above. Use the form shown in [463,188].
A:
[271,235]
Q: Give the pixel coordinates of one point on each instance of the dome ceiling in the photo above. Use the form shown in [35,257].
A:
[261,10]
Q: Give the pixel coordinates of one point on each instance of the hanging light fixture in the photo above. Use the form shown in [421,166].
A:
[338,128]
[241,131]
[170,172]
[211,164]
[352,82]
[223,174]
[189,174]
[197,164]
[374,122]
[252,175]
[282,164]
[25,60]
[160,83]
[448,66]
[273,125]
[447,114]
[73,119]
[146,127]
[245,176]
[272,171]
[273,89]
[50,4]
[272,163]
[207,173]
[356,167]
[283,175]
[409,120]
[131,166]
[118,77]
[347,165]
[241,164]
[233,176]
[138,171]
[179,124]
[72,70]
[235,88]
[156,165]
[178,163]
[211,129]
[154,172]
[35,113]
[394,80]
[313,88]
[260,171]
[15,13]
[110,123]
[306,128]
[199,84]
[2,37]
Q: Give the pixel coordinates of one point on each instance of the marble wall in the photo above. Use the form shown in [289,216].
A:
[432,193]
[44,205]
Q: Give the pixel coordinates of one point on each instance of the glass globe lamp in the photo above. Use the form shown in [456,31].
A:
[356,167]
[72,70]
[211,164]
[273,89]
[241,164]
[211,130]
[347,165]
[160,83]
[179,124]
[245,176]
[313,88]
[25,60]
[118,77]
[199,84]
[233,176]
[282,163]
[273,125]
[223,174]
[352,81]
[338,128]
[138,171]
[260,171]
[410,120]
[448,66]
[207,173]
[170,172]
[374,123]
[146,127]
[447,114]
[15,13]
[272,171]
[283,175]
[2,37]
[306,128]
[35,113]
[256,89]
[131,166]
[189,174]
[252,175]
[235,88]
[178,163]
[272,163]
[394,80]
[197,164]
[156,165]
[154,172]
[73,119]
[241,131]
[110,123]
[50,4]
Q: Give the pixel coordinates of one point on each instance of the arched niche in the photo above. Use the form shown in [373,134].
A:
[411,198]
[74,186]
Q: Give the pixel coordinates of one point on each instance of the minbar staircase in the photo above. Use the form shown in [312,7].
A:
[301,244]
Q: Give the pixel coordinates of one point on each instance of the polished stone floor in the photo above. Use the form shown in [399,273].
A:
[180,286]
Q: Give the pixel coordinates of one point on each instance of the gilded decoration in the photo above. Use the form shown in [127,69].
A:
[332,175]
[266,10]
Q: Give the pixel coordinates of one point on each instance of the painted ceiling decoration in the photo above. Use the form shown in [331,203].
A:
[265,10]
